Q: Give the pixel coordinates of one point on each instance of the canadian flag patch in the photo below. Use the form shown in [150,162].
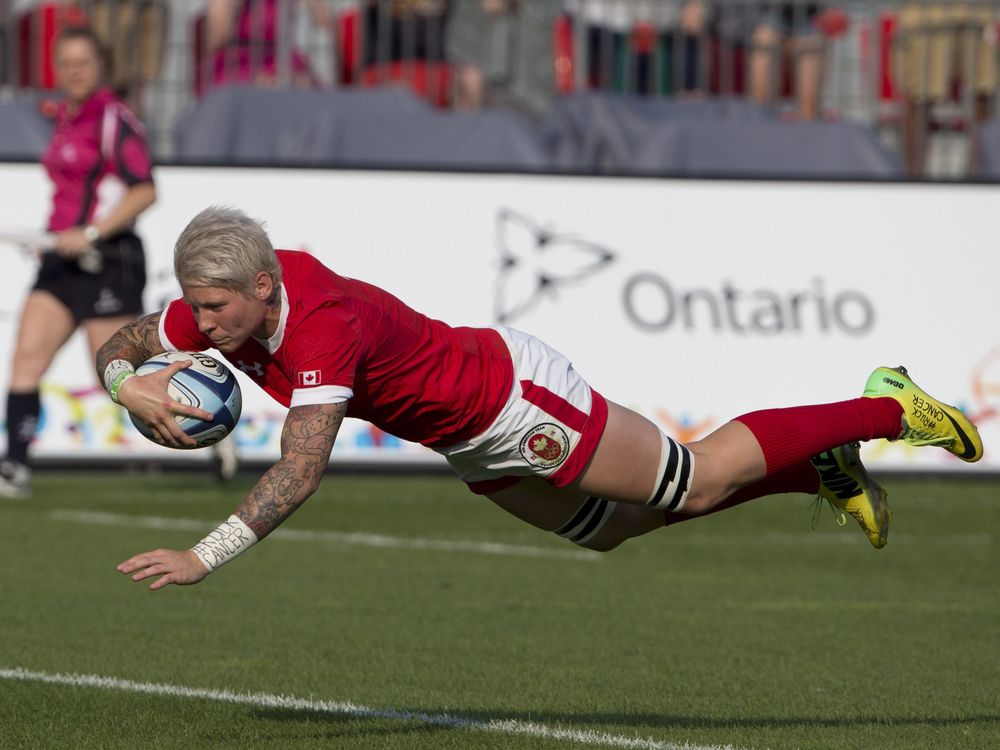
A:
[310,377]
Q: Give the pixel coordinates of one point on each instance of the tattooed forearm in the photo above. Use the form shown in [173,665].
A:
[134,342]
[306,442]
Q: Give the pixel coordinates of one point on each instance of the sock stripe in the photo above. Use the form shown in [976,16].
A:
[667,471]
[593,523]
[588,520]
[680,487]
[676,467]
[580,517]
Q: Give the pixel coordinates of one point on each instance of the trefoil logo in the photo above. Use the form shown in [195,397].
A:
[535,262]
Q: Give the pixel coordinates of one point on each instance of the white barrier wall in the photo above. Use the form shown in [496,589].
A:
[690,301]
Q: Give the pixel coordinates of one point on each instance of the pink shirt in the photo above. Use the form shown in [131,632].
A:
[93,158]
[253,53]
[341,339]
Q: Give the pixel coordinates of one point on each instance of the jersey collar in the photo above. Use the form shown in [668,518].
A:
[272,343]
[96,103]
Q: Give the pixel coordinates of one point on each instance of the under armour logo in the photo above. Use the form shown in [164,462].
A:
[256,368]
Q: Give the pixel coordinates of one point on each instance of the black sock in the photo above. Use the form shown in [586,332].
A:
[22,419]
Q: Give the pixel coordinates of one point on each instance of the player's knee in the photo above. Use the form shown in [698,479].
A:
[699,502]
[712,487]
[603,525]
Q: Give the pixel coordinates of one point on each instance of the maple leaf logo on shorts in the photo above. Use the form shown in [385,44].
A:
[547,450]
[545,445]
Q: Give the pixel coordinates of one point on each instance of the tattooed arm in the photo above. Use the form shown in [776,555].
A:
[146,396]
[306,442]
[134,342]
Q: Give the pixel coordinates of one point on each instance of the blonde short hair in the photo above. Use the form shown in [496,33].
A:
[223,247]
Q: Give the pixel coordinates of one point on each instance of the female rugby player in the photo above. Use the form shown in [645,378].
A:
[511,415]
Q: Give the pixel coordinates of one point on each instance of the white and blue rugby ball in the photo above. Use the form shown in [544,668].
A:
[207,384]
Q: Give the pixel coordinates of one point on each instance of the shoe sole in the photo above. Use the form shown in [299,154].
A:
[848,463]
[877,494]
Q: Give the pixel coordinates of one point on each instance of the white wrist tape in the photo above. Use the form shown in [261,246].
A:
[227,541]
[115,368]
[116,373]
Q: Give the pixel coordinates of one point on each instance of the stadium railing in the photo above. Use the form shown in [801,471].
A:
[169,55]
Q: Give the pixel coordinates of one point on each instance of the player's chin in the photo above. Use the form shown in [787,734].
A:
[227,345]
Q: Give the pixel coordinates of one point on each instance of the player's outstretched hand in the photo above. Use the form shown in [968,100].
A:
[173,566]
[147,398]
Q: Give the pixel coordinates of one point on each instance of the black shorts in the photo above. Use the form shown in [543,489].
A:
[114,291]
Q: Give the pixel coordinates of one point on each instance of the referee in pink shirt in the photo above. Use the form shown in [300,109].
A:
[101,172]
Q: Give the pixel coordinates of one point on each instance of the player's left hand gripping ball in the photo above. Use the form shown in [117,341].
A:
[207,384]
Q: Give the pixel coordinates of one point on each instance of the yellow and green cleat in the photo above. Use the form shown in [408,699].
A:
[926,421]
[846,484]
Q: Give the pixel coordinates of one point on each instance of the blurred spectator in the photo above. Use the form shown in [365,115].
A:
[403,42]
[6,31]
[940,45]
[645,47]
[246,41]
[785,37]
[32,27]
[503,53]
[135,32]
[398,30]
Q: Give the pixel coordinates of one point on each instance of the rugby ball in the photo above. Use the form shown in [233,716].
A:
[207,384]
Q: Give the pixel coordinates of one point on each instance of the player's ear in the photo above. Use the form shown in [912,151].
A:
[265,286]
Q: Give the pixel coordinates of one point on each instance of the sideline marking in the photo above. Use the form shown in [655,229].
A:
[769,538]
[333,537]
[268,700]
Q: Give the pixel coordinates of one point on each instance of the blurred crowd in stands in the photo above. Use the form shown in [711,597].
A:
[919,74]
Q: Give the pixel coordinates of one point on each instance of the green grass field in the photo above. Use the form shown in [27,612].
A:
[407,613]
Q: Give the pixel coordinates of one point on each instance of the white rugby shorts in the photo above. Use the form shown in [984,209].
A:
[549,427]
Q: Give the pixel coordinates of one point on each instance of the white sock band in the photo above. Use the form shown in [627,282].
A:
[589,518]
[227,541]
[673,478]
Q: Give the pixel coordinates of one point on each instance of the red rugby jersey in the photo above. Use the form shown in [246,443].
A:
[339,338]
[94,156]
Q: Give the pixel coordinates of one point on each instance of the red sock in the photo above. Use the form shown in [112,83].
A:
[790,436]
[801,477]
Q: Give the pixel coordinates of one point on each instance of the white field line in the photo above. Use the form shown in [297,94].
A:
[329,537]
[848,537]
[267,700]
